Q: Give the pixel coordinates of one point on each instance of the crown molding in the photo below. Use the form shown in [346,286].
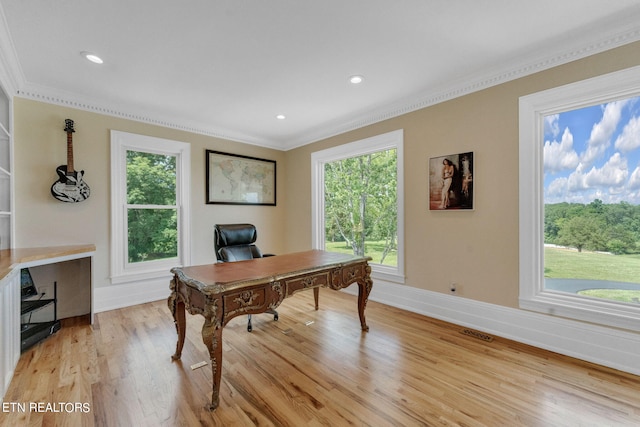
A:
[157,118]
[523,66]
[624,31]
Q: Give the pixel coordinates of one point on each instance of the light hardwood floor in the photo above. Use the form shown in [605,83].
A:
[408,370]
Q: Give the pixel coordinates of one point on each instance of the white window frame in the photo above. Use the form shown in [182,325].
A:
[387,141]
[533,109]
[121,270]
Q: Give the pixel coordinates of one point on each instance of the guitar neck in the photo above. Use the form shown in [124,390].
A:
[70,169]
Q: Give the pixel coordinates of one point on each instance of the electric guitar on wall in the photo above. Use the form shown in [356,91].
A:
[70,187]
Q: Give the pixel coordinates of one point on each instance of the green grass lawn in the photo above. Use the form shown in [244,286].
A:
[570,264]
[613,294]
[372,249]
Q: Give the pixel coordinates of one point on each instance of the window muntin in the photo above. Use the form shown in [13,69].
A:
[537,111]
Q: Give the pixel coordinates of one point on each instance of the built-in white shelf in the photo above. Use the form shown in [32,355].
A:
[6,168]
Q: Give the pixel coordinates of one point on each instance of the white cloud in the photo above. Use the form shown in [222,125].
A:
[629,139]
[576,182]
[552,125]
[557,187]
[602,131]
[557,191]
[614,173]
[582,176]
[634,179]
[559,156]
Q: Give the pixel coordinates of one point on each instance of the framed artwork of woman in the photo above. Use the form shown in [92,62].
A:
[451,182]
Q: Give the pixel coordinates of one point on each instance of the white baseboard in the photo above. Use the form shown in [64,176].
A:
[609,347]
[131,293]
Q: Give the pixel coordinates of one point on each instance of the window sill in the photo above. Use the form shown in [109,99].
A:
[158,272]
[615,314]
[382,273]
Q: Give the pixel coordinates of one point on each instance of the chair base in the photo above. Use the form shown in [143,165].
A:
[270,311]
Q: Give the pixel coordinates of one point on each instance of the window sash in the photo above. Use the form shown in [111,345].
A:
[533,109]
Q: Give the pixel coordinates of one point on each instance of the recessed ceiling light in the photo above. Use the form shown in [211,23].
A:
[92,57]
[356,79]
[281,117]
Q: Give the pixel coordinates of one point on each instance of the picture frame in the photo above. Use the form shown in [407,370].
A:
[453,173]
[232,179]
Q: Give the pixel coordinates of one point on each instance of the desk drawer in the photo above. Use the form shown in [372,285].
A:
[308,282]
[352,273]
[245,302]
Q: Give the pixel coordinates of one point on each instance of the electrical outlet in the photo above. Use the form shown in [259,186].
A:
[453,288]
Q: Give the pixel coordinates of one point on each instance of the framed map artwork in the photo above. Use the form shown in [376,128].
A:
[240,180]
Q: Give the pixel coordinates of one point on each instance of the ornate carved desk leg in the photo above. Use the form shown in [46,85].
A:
[177,310]
[364,289]
[212,338]
[316,293]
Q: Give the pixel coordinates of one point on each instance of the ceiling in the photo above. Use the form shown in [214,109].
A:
[226,68]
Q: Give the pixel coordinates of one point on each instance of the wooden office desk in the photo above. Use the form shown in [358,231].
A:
[222,291]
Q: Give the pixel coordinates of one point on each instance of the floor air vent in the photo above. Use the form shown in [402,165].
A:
[476,334]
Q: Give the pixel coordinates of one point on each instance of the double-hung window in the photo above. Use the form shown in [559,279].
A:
[150,194]
[580,200]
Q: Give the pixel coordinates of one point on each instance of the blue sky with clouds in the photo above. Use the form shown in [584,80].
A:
[593,153]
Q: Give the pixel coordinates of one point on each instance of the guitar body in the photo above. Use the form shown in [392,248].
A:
[70,187]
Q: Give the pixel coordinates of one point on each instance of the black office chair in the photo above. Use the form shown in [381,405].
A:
[235,242]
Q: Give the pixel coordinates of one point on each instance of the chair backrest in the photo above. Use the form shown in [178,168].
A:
[235,242]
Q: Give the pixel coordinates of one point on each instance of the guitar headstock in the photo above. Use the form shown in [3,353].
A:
[68,125]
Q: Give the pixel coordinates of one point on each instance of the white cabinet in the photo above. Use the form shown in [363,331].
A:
[11,263]
[6,175]
[9,327]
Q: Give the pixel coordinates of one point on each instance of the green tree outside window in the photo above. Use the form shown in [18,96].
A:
[360,206]
[152,213]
